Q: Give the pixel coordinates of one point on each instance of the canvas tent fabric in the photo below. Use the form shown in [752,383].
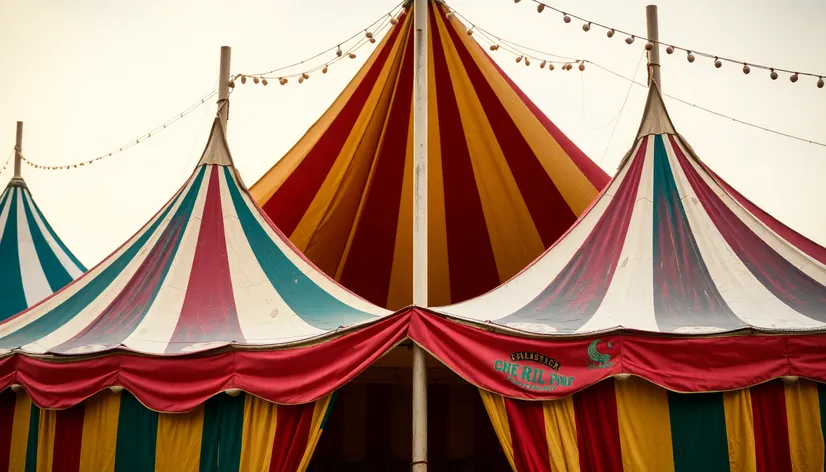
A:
[668,247]
[207,271]
[503,181]
[34,262]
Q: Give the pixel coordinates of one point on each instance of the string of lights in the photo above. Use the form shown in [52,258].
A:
[130,144]
[340,51]
[691,54]
[8,159]
[538,55]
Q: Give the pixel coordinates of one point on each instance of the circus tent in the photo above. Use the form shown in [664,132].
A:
[34,262]
[504,181]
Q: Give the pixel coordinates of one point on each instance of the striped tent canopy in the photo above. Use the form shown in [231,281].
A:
[504,181]
[34,262]
[667,247]
[207,270]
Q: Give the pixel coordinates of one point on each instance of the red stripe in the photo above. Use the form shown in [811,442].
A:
[292,432]
[771,431]
[288,205]
[598,178]
[370,261]
[470,255]
[576,293]
[788,283]
[798,240]
[549,211]
[527,426]
[208,312]
[68,437]
[597,428]
[7,402]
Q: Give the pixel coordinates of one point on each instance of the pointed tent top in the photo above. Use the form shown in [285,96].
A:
[668,247]
[504,181]
[217,150]
[208,270]
[655,119]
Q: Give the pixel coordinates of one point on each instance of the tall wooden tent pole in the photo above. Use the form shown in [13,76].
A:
[654,37]
[18,150]
[223,86]
[420,228]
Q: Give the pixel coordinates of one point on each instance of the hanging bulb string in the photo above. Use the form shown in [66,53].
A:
[372,28]
[690,53]
[130,144]
[624,102]
[8,159]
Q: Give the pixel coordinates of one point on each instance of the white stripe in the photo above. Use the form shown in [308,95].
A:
[35,285]
[154,332]
[4,212]
[788,251]
[527,285]
[73,270]
[747,297]
[629,301]
[312,273]
[265,318]
[91,311]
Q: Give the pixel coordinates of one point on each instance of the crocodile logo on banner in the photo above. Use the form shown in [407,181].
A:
[598,359]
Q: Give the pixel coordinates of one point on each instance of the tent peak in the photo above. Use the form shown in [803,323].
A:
[655,119]
[17,182]
[217,150]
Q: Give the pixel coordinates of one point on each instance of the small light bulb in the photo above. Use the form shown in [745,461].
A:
[581,66]
[283,81]
[746,68]
[690,56]
[493,47]
[243,79]
[470,31]
[629,40]
[372,40]
[610,33]
[586,27]
[301,80]
[527,61]
[368,34]
[449,15]
[305,76]
[519,59]
[264,82]
[718,63]
[820,82]
[649,46]
[232,84]
[516,1]
[324,70]
[542,65]
[670,49]
[394,21]
[773,74]
[255,80]
[794,78]
[540,7]
[566,18]
[352,55]
[339,52]
[550,67]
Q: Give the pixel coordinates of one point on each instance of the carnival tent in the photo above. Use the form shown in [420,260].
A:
[34,262]
[504,181]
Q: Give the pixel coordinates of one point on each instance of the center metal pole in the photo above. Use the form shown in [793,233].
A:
[223,86]
[18,150]
[419,227]
[654,37]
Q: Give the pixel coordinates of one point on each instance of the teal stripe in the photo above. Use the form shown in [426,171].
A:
[311,303]
[222,433]
[137,436]
[60,244]
[698,432]
[31,444]
[67,310]
[329,409]
[55,273]
[11,281]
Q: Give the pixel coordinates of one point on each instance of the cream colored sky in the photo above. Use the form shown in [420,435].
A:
[87,76]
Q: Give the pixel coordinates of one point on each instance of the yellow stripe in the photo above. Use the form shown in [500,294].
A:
[350,163]
[178,443]
[100,433]
[401,275]
[644,426]
[495,406]
[740,430]
[45,440]
[258,435]
[269,183]
[20,431]
[560,434]
[575,188]
[438,273]
[315,431]
[805,433]
[513,235]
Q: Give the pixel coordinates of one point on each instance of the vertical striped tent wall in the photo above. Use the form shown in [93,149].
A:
[34,262]
[504,181]
[114,432]
[633,425]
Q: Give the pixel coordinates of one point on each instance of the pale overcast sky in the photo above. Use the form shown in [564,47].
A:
[87,76]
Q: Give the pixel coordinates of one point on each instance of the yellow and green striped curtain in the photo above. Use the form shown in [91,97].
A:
[113,431]
[633,425]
